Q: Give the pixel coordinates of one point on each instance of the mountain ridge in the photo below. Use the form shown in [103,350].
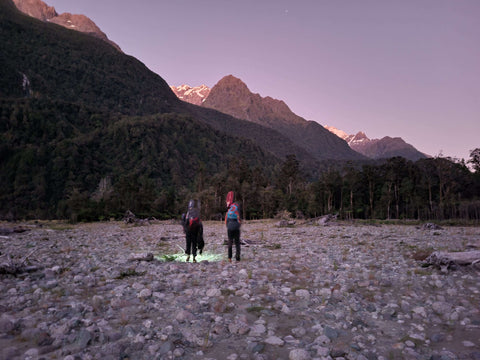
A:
[236,99]
[232,96]
[41,11]
[385,147]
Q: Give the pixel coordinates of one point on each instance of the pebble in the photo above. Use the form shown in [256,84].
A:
[344,291]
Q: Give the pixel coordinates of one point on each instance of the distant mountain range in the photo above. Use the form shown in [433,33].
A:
[39,10]
[231,96]
[385,147]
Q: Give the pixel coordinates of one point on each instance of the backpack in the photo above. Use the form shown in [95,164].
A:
[193,218]
[232,212]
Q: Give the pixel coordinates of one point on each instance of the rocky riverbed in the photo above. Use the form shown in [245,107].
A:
[342,291]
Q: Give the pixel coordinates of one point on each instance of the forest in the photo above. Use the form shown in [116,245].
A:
[429,189]
[82,165]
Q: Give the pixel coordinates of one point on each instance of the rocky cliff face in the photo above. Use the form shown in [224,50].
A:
[39,10]
[232,96]
[36,8]
[385,147]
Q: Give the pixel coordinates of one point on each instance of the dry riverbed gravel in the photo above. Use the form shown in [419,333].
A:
[343,291]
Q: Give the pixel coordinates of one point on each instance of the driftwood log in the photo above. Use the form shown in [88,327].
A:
[130,218]
[323,220]
[142,257]
[446,260]
[8,231]
[15,267]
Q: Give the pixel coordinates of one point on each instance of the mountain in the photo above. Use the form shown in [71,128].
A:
[75,68]
[194,95]
[39,10]
[383,148]
[231,96]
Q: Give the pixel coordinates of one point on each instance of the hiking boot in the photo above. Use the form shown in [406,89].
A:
[188,258]
[229,260]
[194,260]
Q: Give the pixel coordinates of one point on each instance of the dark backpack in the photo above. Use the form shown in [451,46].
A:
[193,219]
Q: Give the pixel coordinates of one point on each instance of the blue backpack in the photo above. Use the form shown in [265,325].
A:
[232,212]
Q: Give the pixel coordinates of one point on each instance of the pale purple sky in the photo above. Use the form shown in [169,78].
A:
[408,68]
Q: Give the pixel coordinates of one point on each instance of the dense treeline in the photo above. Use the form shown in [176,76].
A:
[61,160]
[428,189]
[435,188]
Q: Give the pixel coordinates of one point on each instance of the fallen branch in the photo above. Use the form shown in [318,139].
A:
[130,218]
[447,260]
[17,267]
[183,250]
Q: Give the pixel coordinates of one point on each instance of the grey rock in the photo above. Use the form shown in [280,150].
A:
[7,323]
[299,354]
[83,338]
[331,333]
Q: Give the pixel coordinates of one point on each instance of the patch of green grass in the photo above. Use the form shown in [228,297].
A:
[422,272]
[226,292]
[255,309]
[274,246]
[182,257]
[168,258]
[61,227]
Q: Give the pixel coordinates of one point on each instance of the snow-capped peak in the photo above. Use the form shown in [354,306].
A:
[340,133]
[195,95]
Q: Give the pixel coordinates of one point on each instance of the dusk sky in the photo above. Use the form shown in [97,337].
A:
[408,68]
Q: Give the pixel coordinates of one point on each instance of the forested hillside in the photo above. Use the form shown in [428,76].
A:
[87,132]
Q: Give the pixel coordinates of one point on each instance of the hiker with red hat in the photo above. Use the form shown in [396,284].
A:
[233,223]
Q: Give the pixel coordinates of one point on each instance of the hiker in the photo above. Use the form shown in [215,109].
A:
[193,227]
[233,223]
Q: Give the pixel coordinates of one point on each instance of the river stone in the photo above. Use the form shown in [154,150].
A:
[274,340]
[299,354]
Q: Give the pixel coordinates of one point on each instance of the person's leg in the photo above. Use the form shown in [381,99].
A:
[194,244]
[200,241]
[188,245]
[230,243]
[237,245]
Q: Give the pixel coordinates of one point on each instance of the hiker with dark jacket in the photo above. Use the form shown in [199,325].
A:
[193,227]
[233,223]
